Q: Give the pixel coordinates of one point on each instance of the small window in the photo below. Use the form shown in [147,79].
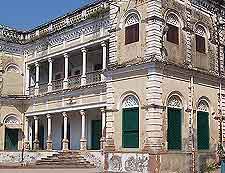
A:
[200,43]
[173,34]
[132,33]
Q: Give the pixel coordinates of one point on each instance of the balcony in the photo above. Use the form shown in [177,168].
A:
[67,71]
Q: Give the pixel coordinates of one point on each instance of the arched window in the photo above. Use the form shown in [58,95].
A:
[203,126]
[173,29]
[200,35]
[174,131]
[12,68]
[132,28]
[130,122]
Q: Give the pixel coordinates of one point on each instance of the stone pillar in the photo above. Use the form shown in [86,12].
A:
[83,77]
[49,75]
[65,81]
[103,139]
[104,60]
[65,140]
[36,141]
[26,134]
[37,78]
[49,139]
[27,80]
[83,140]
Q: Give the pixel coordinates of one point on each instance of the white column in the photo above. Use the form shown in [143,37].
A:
[27,79]
[83,141]
[49,138]
[104,55]
[65,140]
[83,77]
[37,78]
[26,133]
[104,60]
[49,75]
[103,139]
[36,141]
[66,65]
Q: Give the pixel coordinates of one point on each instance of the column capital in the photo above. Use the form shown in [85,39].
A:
[50,60]
[103,110]
[65,115]
[83,50]
[28,67]
[48,116]
[36,64]
[82,112]
[35,117]
[66,55]
[103,44]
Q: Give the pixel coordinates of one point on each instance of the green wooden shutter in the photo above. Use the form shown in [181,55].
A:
[130,136]
[174,129]
[203,130]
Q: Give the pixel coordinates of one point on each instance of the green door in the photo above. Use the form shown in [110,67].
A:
[11,139]
[203,130]
[130,133]
[174,129]
[96,133]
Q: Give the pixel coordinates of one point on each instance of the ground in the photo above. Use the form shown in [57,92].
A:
[48,170]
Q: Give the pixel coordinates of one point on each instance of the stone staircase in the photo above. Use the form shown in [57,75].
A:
[64,160]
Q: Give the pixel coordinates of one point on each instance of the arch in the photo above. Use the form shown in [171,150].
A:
[174,101]
[129,13]
[12,68]
[11,119]
[200,30]
[173,19]
[132,19]
[203,106]
[130,101]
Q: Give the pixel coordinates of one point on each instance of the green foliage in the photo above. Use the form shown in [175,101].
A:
[98,13]
[211,167]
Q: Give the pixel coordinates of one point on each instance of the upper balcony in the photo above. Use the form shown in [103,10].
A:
[77,68]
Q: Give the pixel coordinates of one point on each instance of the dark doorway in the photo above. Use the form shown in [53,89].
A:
[11,139]
[96,133]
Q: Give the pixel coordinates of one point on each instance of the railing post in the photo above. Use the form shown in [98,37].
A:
[37,78]
[50,75]
[83,77]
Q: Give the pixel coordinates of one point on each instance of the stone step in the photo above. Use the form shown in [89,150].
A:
[64,160]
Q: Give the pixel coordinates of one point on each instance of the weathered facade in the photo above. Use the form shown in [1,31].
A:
[140,80]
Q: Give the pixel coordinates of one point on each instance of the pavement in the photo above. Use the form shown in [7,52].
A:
[48,170]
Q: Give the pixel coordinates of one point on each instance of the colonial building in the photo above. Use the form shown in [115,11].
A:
[134,85]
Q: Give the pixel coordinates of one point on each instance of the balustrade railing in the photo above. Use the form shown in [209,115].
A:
[93,77]
[31,90]
[43,88]
[57,84]
[74,81]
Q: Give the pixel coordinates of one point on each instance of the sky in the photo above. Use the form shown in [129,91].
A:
[27,14]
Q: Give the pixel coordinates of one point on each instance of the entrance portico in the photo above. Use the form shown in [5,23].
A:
[67,130]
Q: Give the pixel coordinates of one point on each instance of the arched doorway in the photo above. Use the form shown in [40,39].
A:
[203,126]
[130,122]
[12,129]
[174,128]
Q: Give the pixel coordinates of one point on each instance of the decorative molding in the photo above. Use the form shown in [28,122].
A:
[130,102]
[203,106]
[174,102]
